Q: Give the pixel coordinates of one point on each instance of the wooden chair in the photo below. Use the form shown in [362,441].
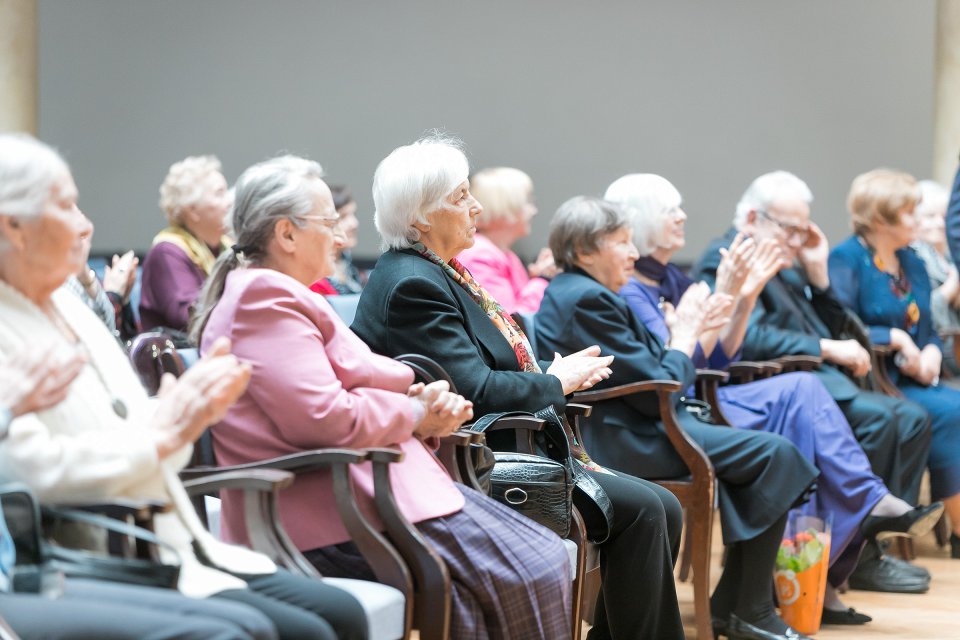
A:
[426,602]
[696,493]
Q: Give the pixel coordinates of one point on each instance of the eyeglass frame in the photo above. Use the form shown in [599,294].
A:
[791,230]
[330,222]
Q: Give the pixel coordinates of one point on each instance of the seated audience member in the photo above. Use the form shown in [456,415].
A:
[315,384]
[421,299]
[34,379]
[953,221]
[110,301]
[931,246]
[760,475]
[876,274]
[195,199]
[507,198]
[798,313]
[795,405]
[346,278]
[106,439]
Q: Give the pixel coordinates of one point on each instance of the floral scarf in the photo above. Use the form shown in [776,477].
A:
[510,330]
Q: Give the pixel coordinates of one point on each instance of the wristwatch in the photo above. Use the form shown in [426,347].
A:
[6,417]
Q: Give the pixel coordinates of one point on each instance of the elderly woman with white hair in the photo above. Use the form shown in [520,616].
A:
[931,246]
[794,405]
[508,208]
[421,299]
[107,439]
[195,198]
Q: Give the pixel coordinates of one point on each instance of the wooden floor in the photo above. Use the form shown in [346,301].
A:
[935,614]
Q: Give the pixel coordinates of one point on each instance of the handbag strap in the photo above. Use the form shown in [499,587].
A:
[110,524]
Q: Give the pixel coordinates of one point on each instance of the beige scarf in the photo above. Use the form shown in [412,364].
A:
[197,250]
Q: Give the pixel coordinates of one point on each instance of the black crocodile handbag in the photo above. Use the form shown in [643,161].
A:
[537,487]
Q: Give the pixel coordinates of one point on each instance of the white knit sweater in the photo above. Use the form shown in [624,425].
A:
[82,451]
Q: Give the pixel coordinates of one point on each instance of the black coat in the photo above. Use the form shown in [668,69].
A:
[790,318]
[761,474]
[411,306]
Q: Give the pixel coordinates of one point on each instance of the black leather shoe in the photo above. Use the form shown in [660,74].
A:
[849,617]
[737,629]
[915,522]
[874,549]
[883,574]
[909,568]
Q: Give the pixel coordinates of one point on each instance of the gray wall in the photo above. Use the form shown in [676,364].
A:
[708,94]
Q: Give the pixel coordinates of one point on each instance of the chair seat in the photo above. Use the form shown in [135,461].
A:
[383,605]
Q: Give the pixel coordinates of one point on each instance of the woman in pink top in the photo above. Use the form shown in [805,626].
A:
[507,198]
[316,384]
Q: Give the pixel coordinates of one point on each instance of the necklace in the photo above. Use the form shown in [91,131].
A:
[118,405]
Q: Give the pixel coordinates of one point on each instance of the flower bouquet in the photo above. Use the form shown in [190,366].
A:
[800,574]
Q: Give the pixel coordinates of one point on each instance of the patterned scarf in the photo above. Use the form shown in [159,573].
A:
[197,250]
[500,318]
[513,334]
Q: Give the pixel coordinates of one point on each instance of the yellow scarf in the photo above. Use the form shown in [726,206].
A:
[197,250]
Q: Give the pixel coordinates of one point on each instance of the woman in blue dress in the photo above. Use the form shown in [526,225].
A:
[794,405]
[876,274]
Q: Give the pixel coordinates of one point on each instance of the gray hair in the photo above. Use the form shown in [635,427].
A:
[28,169]
[767,189]
[265,193]
[413,182]
[933,197]
[580,224]
[648,201]
[181,188]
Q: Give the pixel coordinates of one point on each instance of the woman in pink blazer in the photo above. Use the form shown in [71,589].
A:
[507,198]
[316,384]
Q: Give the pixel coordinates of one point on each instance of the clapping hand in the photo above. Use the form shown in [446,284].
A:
[735,265]
[765,263]
[34,379]
[444,411]
[544,266]
[120,275]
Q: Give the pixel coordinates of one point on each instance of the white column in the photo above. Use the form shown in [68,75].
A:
[946,92]
[18,65]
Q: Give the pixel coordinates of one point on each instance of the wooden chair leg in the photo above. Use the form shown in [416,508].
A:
[700,530]
[941,530]
[578,534]
[686,554]
[905,549]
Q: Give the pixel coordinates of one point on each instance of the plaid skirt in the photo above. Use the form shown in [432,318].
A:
[510,577]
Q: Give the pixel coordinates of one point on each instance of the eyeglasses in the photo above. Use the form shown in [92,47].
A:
[791,231]
[327,221]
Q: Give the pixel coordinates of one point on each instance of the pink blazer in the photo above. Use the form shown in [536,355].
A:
[503,275]
[316,384]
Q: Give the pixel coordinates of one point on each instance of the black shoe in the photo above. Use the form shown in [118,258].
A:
[954,546]
[909,568]
[915,522]
[850,616]
[883,574]
[874,549]
[719,626]
[737,629]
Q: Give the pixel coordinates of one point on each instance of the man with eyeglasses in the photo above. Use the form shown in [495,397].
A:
[798,314]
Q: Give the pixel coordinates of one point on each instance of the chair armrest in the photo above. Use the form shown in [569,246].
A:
[252,479]
[747,371]
[295,462]
[799,363]
[669,386]
[122,508]
[707,382]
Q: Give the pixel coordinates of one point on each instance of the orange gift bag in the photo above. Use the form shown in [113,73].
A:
[801,571]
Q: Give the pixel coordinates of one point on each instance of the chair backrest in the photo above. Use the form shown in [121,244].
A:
[345,306]
[152,355]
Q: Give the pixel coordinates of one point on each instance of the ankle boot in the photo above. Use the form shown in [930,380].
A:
[954,546]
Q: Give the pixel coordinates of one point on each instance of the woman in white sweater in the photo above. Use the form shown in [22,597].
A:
[106,439]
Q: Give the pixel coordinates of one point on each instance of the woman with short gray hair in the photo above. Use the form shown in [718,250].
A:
[759,474]
[420,299]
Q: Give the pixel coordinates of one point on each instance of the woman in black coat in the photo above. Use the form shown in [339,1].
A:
[420,299]
[760,474]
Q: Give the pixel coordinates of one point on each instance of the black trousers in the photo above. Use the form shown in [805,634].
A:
[638,598]
[107,611]
[895,434]
[302,607]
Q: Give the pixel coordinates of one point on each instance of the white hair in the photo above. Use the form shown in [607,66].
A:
[183,185]
[28,169]
[767,189]
[648,200]
[413,182]
[934,197]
